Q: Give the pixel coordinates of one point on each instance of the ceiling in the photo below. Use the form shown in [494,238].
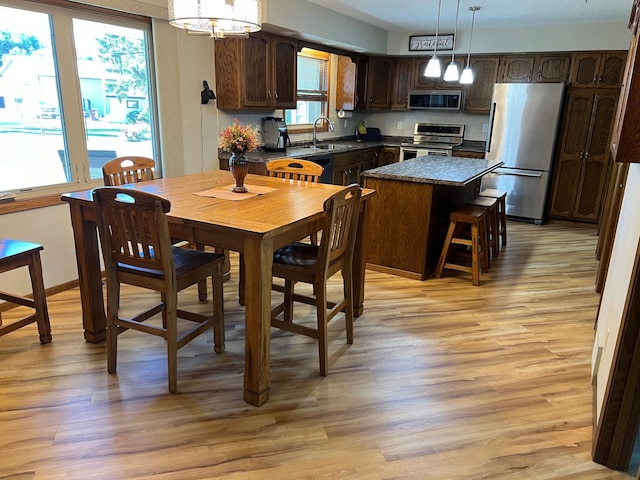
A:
[421,15]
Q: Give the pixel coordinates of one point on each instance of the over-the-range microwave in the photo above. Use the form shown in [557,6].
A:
[435,99]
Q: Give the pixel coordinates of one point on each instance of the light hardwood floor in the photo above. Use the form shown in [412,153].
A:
[444,381]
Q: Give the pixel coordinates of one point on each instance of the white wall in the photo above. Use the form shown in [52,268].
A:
[617,283]
[547,38]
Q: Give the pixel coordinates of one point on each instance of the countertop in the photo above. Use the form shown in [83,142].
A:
[435,170]
[340,145]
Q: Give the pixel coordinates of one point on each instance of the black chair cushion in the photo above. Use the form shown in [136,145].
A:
[297,253]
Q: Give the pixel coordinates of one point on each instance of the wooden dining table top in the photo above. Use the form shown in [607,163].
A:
[289,201]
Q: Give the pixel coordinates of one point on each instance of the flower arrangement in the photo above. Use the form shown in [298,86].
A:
[238,139]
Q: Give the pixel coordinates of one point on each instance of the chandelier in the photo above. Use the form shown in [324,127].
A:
[217,18]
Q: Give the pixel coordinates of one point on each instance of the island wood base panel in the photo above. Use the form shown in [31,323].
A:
[407,224]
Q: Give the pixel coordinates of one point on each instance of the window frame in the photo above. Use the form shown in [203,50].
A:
[62,13]
[308,127]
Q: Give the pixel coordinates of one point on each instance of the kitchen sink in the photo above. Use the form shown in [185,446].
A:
[322,146]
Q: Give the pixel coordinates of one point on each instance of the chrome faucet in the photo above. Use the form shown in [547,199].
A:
[315,125]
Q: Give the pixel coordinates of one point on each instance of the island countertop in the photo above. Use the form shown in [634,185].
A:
[435,170]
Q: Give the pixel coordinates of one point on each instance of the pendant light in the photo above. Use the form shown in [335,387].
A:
[467,74]
[451,74]
[433,67]
[217,18]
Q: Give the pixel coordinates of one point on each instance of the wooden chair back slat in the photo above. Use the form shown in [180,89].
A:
[127,169]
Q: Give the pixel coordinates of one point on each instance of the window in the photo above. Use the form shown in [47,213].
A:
[58,129]
[313,87]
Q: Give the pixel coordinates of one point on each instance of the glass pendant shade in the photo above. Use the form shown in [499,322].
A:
[451,74]
[218,18]
[467,76]
[433,67]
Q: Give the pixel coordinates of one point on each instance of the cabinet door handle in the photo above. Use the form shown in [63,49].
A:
[269,95]
[275,94]
[585,156]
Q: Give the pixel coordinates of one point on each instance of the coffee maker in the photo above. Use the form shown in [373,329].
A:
[275,134]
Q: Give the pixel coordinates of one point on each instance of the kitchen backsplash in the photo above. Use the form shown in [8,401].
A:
[390,123]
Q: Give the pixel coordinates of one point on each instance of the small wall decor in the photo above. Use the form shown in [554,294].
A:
[418,43]
[132,103]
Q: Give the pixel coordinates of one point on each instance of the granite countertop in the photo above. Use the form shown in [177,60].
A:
[472,146]
[435,170]
[304,151]
[340,145]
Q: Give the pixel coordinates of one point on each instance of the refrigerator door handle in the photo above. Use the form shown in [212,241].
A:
[517,173]
[490,133]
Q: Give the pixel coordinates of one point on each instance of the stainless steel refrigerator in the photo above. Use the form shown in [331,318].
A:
[522,134]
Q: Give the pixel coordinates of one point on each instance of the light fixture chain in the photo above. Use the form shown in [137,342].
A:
[435,49]
[455,32]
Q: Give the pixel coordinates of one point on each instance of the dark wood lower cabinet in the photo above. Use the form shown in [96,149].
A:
[583,159]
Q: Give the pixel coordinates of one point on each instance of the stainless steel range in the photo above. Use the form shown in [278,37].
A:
[432,139]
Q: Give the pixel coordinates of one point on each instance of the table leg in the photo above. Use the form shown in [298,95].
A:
[85,236]
[258,256]
[359,264]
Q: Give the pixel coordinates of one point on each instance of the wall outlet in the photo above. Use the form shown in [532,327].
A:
[485,128]
[399,125]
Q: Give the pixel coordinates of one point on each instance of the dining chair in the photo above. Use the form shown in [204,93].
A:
[137,250]
[295,169]
[127,169]
[15,254]
[287,169]
[315,264]
[133,169]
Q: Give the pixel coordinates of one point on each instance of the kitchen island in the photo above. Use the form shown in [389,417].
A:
[409,215]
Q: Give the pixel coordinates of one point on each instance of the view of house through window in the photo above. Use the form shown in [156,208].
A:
[108,87]
[313,86]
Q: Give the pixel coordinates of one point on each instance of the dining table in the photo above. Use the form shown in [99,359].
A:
[204,210]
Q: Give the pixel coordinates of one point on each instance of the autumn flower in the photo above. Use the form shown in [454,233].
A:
[238,139]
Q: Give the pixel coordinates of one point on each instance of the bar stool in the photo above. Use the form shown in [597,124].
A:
[501,197]
[475,219]
[15,254]
[491,204]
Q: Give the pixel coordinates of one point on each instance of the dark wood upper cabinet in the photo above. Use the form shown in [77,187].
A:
[284,69]
[597,69]
[420,81]
[403,70]
[551,68]
[379,82]
[534,68]
[516,69]
[259,71]
[479,94]
[345,83]
[362,70]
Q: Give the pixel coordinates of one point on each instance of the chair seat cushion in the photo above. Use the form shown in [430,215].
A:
[297,253]
[185,259]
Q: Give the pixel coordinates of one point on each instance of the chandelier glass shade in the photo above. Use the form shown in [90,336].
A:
[217,18]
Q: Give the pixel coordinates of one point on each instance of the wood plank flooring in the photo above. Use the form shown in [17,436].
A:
[444,381]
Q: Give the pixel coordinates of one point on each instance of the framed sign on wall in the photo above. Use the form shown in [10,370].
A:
[418,43]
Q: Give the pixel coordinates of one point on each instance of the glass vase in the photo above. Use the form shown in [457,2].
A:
[239,166]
